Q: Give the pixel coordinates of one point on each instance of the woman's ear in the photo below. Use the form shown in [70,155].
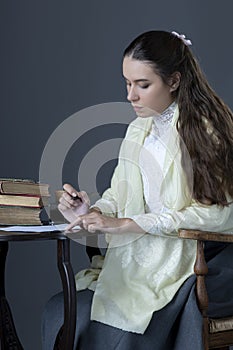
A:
[174,81]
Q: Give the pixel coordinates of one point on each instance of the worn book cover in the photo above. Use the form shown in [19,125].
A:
[21,186]
[23,200]
[13,215]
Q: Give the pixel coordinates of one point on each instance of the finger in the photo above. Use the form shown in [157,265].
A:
[66,202]
[86,220]
[92,228]
[66,199]
[73,198]
[70,190]
[85,223]
[84,196]
[62,207]
[76,222]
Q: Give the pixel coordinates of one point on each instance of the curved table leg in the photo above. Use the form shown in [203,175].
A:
[8,335]
[65,337]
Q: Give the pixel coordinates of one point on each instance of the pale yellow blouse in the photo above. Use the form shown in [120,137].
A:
[142,272]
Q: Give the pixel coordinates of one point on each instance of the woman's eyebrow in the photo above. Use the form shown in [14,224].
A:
[136,80]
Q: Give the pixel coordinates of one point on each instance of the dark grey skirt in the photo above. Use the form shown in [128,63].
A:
[177,326]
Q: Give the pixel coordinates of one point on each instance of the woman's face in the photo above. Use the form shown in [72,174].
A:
[147,92]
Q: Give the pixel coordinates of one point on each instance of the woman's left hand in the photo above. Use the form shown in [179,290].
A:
[95,221]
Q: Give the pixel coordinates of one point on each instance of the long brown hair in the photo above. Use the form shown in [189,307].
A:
[205,122]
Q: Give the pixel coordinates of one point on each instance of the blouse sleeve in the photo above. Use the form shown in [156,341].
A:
[201,217]
[108,202]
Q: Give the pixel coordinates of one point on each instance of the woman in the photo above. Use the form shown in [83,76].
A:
[174,170]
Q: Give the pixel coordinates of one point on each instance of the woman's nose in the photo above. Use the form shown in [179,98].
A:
[132,95]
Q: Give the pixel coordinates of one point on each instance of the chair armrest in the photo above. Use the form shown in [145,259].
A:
[205,235]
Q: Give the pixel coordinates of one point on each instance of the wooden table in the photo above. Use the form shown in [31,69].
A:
[65,336]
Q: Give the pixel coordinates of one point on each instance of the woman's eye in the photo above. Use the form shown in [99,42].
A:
[145,86]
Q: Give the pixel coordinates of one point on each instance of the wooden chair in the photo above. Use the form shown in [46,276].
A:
[217,333]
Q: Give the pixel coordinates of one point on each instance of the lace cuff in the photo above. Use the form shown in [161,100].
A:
[164,224]
[196,216]
[107,207]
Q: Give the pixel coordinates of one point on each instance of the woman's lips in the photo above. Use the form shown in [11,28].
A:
[137,108]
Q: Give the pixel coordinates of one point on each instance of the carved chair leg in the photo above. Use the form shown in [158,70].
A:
[201,270]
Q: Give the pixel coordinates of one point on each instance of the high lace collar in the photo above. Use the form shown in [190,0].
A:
[163,120]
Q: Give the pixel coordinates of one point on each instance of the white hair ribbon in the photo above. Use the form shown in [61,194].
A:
[182,37]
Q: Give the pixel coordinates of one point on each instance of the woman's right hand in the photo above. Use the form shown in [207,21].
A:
[72,208]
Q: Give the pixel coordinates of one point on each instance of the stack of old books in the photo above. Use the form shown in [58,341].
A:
[21,201]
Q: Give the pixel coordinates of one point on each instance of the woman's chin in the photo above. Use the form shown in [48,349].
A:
[146,112]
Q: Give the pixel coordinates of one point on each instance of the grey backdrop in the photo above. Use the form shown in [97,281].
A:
[58,57]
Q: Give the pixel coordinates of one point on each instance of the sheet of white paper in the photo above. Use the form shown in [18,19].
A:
[42,228]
